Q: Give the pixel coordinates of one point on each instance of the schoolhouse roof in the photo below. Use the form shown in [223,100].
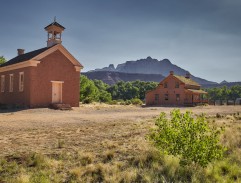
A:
[37,55]
[56,24]
[24,57]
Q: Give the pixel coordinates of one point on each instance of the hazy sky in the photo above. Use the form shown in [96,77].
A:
[202,36]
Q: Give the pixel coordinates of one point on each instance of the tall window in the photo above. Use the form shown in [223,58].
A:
[166,96]
[177,85]
[156,97]
[21,81]
[177,97]
[2,83]
[11,83]
[165,85]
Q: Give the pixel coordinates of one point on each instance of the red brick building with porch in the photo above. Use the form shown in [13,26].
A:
[49,75]
[176,90]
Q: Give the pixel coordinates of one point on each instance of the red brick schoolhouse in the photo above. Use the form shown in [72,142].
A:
[49,75]
[176,90]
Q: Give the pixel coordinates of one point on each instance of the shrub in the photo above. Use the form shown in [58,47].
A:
[218,115]
[87,100]
[122,103]
[127,102]
[120,100]
[85,158]
[192,140]
[136,101]
[105,96]
[108,156]
[113,102]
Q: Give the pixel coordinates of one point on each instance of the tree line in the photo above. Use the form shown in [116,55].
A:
[224,93]
[128,92]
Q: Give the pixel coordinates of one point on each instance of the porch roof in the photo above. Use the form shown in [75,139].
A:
[196,91]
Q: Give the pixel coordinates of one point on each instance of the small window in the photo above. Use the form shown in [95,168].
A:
[166,96]
[21,81]
[11,83]
[165,85]
[177,85]
[177,97]
[2,83]
[156,97]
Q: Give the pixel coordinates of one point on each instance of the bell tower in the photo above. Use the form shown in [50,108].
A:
[54,33]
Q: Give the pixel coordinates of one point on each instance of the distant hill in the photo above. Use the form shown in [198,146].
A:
[148,69]
[112,77]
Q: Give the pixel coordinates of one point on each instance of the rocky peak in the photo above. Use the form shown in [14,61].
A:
[224,82]
[150,66]
[112,67]
[148,58]
[167,61]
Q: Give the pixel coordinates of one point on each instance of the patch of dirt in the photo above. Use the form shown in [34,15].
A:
[89,127]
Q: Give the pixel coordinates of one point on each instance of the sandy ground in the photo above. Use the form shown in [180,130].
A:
[89,127]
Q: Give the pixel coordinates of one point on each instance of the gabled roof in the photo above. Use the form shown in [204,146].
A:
[24,57]
[37,55]
[56,24]
[187,81]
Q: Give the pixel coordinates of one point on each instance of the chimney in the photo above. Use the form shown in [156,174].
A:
[171,72]
[188,75]
[20,51]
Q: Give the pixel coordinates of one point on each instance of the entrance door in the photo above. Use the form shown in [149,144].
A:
[56,92]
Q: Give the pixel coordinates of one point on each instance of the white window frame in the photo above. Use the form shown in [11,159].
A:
[11,78]
[2,83]
[21,83]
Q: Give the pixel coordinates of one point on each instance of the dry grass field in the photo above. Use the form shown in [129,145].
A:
[99,143]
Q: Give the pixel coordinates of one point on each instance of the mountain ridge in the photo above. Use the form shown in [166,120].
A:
[112,77]
[148,66]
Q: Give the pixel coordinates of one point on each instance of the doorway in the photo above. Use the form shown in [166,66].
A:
[56,92]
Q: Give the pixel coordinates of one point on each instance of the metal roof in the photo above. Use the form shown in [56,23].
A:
[24,57]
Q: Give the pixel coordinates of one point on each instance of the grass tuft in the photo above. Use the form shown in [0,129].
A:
[60,143]
[85,158]
[108,156]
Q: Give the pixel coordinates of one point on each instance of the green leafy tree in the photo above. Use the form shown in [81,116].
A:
[144,87]
[88,91]
[100,85]
[130,90]
[192,140]
[225,91]
[235,92]
[214,93]
[2,60]
[104,96]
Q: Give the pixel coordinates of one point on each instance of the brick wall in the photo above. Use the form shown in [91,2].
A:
[54,67]
[172,92]
[37,83]
[16,97]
